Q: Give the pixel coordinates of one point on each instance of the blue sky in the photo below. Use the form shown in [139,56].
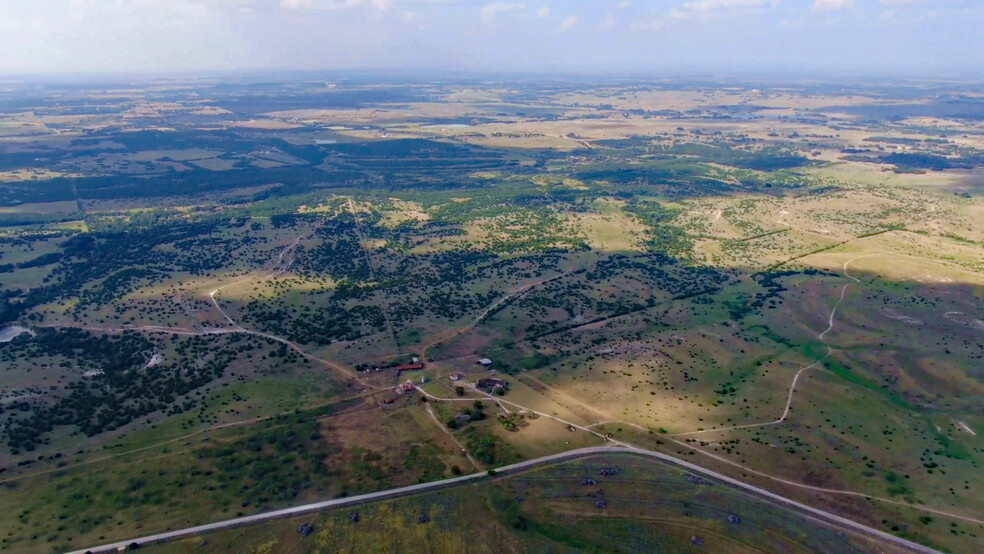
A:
[582,36]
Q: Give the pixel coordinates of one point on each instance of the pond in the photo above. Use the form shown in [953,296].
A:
[10,332]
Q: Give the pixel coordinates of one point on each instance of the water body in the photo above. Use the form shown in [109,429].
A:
[10,332]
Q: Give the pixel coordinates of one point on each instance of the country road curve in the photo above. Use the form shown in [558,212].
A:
[803,509]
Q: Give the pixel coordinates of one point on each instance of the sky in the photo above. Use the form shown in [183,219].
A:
[522,36]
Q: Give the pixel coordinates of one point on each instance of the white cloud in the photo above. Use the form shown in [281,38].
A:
[381,5]
[913,12]
[543,12]
[569,22]
[490,12]
[649,25]
[623,4]
[831,5]
[722,5]
[693,9]
[609,21]
[706,9]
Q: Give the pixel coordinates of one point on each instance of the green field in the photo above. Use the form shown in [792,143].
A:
[219,310]
[647,507]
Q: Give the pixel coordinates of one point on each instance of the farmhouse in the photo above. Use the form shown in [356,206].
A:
[409,367]
[490,383]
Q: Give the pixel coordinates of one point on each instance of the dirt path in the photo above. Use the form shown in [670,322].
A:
[616,442]
[454,439]
[280,265]
[583,142]
[822,337]
[518,291]
[185,437]
[813,488]
[221,331]
[387,313]
[564,396]
[279,268]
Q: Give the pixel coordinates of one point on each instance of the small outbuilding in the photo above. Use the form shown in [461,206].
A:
[484,362]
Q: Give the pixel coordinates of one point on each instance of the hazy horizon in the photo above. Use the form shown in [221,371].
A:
[576,37]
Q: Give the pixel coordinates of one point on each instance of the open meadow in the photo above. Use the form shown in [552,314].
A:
[219,301]
[570,507]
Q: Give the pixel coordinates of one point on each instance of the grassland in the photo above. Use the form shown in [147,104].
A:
[551,509]
[763,281]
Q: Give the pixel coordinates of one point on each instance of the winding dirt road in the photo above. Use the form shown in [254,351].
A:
[590,429]
[620,446]
[792,386]
[516,292]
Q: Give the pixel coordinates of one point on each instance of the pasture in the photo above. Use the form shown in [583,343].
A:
[776,282]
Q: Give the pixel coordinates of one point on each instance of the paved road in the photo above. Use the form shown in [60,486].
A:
[808,511]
